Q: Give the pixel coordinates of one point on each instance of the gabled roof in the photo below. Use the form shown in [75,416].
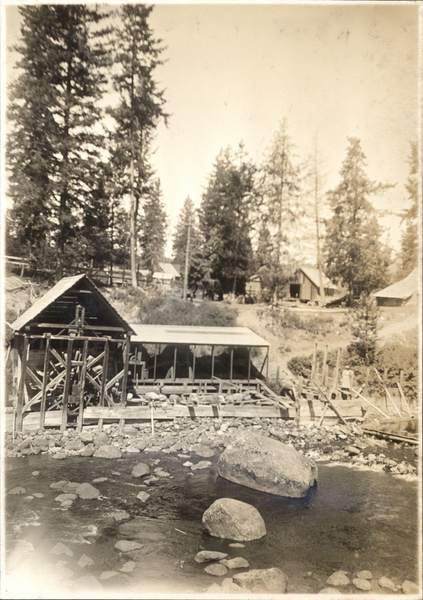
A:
[169,269]
[200,336]
[58,290]
[403,289]
[313,275]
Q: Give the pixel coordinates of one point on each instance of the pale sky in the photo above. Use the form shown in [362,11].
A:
[233,72]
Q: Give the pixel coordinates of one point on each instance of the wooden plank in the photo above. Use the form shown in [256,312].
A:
[45,381]
[50,386]
[21,389]
[34,378]
[202,410]
[66,386]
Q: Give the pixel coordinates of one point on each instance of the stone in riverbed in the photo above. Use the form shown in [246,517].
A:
[267,465]
[365,575]
[338,578]
[408,587]
[108,452]
[58,485]
[85,561]
[60,548]
[108,574]
[120,515]
[143,496]
[140,470]
[38,495]
[208,555]
[387,583]
[65,497]
[128,545]
[87,491]
[231,519]
[59,455]
[330,590]
[238,562]
[217,570]
[204,464]
[362,584]
[17,491]
[267,581]
[88,450]
[129,567]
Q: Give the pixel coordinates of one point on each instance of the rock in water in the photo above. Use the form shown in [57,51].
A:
[231,519]
[267,465]
[267,581]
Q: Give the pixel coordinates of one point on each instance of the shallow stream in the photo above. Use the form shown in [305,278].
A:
[352,520]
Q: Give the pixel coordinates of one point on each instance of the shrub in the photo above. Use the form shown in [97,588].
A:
[167,310]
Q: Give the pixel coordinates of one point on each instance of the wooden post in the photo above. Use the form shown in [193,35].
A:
[232,365]
[277,376]
[249,364]
[336,374]
[401,378]
[175,354]
[193,364]
[45,381]
[21,389]
[313,362]
[212,367]
[82,386]
[325,367]
[103,379]
[125,378]
[267,364]
[155,362]
[404,399]
[66,386]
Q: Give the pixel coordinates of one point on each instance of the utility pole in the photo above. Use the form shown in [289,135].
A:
[187,260]
[316,203]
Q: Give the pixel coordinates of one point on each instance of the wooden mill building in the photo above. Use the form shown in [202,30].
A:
[79,360]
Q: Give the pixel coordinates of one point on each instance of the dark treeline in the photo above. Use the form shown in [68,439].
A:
[83,111]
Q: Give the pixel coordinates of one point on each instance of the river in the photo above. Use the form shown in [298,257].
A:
[352,520]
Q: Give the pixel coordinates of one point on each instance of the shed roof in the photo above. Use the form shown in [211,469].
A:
[313,275]
[200,336]
[169,269]
[401,289]
[56,292]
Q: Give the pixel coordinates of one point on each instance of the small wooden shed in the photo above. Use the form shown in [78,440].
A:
[73,350]
[305,285]
[399,293]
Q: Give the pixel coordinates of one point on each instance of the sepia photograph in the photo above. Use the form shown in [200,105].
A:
[211,219]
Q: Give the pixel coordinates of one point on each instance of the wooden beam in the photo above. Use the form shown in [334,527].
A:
[212,365]
[175,354]
[21,390]
[66,386]
[82,379]
[45,381]
[105,369]
[232,365]
[249,363]
[127,347]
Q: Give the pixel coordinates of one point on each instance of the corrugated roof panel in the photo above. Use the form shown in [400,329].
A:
[200,336]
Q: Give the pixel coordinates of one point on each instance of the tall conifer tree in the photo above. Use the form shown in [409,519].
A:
[53,149]
[354,252]
[141,106]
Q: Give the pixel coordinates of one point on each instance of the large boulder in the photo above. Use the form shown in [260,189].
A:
[235,520]
[267,465]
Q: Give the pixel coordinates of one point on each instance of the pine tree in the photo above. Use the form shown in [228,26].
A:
[153,225]
[141,106]
[281,210]
[354,252]
[225,220]
[187,222]
[53,149]
[410,237]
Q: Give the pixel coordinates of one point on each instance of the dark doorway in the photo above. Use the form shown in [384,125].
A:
[294,290]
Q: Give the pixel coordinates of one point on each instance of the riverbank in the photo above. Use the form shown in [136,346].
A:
[360,518]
